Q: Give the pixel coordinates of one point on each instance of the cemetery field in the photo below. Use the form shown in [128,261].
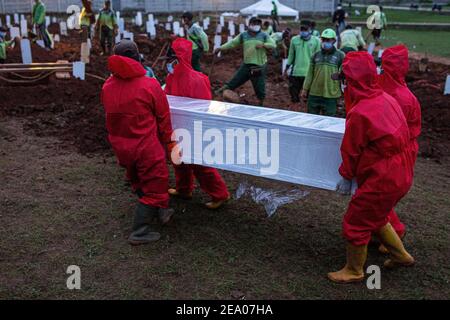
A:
[64,201]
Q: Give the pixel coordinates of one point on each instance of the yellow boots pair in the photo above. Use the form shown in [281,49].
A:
[356,257]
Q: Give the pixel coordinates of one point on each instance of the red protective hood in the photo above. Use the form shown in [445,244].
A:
[183,51]
[124,67]
[361,75]
[395,65]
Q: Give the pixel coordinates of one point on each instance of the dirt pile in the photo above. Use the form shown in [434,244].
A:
[429,88]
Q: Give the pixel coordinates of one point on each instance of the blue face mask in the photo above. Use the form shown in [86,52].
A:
[2,35]
[305,34]
[327,45]
[171,67]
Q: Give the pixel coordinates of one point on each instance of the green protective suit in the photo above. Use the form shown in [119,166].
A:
[38,13]
[353,39]
[300,53]
[252,55]
[318,80]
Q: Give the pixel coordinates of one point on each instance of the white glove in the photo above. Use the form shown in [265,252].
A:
[344,186]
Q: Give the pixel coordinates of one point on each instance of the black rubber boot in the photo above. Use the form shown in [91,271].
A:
[142,233]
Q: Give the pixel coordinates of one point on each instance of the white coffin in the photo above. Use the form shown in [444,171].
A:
[308,145]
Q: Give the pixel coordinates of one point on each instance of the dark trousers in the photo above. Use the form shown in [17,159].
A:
[295,86]
[44,35]
[196,56]
[106,38]
[243,74]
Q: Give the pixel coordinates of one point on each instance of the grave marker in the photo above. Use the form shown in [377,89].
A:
[371,48]
[14,32]
[25,48]
[79,70]
[176,27]
[24,28]
[447,85]
[63,28]
[139,19]
[16,18]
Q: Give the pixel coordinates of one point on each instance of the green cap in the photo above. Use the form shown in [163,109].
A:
[328,34]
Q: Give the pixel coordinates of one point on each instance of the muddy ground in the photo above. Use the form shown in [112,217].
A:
[63,201]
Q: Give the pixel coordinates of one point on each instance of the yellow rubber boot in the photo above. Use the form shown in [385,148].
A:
[213,205]
[174,193]
[399,257]
[382,249]
[354,268]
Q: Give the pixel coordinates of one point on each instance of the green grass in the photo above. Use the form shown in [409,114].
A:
[424,41]
[404,16]
[431,42]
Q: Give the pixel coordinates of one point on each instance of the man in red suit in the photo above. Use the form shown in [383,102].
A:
[375,152]
[139,130]
[184,81]
[395,66]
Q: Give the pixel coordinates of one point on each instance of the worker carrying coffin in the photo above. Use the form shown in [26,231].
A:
[376,153]
[395,66]
[254,68]
[184,81]
[139,130]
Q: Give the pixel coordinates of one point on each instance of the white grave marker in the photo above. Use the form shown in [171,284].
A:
[219,29]
[16,18]
[128,35]
[176,27]
[139,19]
[168,26]
[217,41]
[8,21]
[181,34]
[241,28]
[57,38]
[283,65]
[371,48]
[232,29]
[380,53]
[447,85]
[78,70]
[25,47]
[121,23]
[117,39]
[40,43]
[47,21]
[222,21]
[63,28]
[14,32]
[169,19]
[24,28]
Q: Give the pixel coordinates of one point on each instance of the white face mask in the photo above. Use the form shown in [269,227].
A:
[255,28]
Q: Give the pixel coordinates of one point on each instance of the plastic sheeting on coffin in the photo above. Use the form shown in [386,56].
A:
[308,144]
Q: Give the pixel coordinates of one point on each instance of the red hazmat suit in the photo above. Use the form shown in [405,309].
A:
[395,66]
[139,126]
[186,82]
[375,150]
